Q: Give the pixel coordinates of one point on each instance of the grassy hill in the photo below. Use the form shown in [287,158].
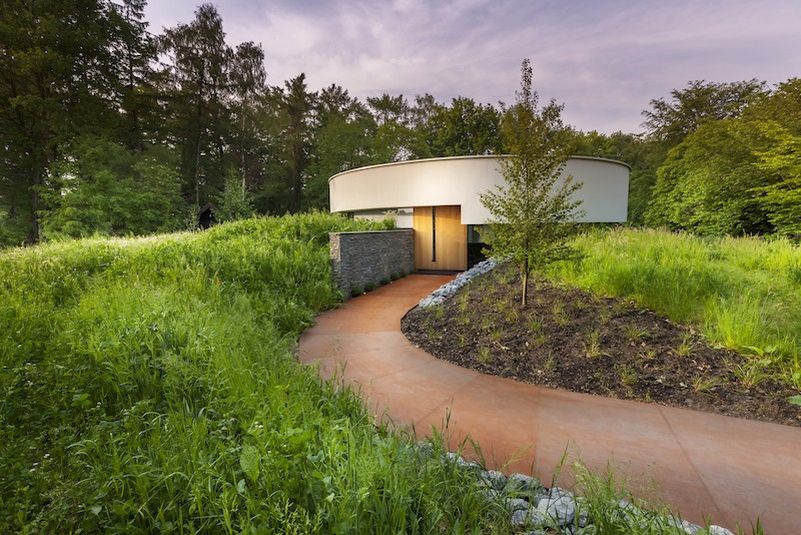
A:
[149,384]
[742,293]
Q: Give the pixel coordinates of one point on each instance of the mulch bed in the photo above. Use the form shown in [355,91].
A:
[571,339]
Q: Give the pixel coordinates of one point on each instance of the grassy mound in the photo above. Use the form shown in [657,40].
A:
[744,293]
[149,384]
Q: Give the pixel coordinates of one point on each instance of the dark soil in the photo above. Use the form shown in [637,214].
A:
[568,338]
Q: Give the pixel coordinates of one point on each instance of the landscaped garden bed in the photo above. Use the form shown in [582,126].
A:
[580,341]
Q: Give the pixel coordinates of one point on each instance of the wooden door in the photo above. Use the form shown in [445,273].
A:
[440,239]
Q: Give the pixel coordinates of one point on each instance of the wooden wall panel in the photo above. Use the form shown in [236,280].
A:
[451,238]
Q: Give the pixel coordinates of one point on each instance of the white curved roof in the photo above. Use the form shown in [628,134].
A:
[460,180]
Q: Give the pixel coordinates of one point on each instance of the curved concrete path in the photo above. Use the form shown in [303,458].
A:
[725,469]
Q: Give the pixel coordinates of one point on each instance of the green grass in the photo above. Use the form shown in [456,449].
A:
[743,293]
[149,384]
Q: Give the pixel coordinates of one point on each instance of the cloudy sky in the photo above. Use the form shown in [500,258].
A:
[604,59]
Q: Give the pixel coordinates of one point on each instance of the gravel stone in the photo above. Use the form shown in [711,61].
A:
[425,449]
[469,465]
[495,478]
[717,530]
[522,482]
[562,509]
[558,492]
[528,517]
[490,494]
[441,294]
[516,504]
[453,457]
[688,527]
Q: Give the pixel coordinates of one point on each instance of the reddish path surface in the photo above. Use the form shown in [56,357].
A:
[704,465]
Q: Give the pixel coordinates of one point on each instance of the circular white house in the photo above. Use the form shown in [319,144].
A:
[440,199]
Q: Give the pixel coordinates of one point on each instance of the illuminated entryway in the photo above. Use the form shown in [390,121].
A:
[440,238]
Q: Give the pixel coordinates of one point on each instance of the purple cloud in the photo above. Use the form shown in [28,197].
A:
[604,59]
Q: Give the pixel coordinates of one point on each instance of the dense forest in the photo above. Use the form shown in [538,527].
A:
[110,129]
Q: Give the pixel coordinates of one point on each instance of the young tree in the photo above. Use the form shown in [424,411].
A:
[533,212]
[234,202]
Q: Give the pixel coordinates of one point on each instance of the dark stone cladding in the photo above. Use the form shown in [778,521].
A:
[361,260]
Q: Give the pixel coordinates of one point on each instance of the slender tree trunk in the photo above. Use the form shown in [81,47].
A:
[34,230]
[242,145]
[197,171]
[524,299]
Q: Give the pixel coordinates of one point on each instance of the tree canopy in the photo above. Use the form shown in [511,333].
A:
[197,113]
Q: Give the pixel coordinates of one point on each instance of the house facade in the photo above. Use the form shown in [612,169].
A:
[440,199]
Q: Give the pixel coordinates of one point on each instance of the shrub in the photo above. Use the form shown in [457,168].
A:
[356,290]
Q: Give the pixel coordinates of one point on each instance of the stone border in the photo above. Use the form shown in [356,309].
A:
[447,290]
[535,508]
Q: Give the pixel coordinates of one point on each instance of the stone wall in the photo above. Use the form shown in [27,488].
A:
[363,260]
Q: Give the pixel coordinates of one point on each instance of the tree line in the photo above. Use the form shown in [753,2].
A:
[715,158]
[108,128]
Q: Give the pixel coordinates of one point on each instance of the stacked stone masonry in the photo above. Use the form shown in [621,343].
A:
[362,260]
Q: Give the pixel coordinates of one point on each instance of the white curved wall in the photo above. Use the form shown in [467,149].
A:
[460,180]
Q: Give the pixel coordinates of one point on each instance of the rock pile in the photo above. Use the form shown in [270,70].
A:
[538,510]
[438,296]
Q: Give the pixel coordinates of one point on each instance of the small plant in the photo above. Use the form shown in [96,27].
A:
[592,348]
[356,290]
[752,372]
[484,355]
[579,304]
[384,281]
[685,347]
[550,364]
[648,354]
[496,335]
[513,315]
[559,314]
[461,339]
[395,275]
[437,312]
[605,315]
[619,307]
[463,301]
[627,375]
[702,384]
[634,333]
[369,287]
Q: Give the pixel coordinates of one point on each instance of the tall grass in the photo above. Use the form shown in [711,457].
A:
[743,293]
[149,385]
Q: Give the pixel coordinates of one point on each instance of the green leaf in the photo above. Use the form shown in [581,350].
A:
[240,486]
[795,400]
[249,461]
[81,400]
[95,509]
